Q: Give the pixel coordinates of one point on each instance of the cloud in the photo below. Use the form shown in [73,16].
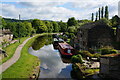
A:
[9,10]
[56,10]
[40,4]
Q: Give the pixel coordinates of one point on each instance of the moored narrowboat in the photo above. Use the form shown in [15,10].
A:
[56,41]
[66,50]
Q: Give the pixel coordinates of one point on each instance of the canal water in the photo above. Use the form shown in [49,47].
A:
[52,64]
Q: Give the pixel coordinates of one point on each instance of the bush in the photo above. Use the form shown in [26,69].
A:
[77,59]
[108,50]
[96,55]
[113,51]
[87,54]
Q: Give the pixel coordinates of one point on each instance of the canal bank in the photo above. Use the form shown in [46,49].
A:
[52,64]
[26,64]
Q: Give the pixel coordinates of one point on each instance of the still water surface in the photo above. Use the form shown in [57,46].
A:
[52,65]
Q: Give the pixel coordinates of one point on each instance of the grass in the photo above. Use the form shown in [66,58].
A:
[91,71]
[10,49]
[25,65]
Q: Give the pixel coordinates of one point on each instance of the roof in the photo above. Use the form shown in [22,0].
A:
[65,45]
[6,31]
[88,26]
[111,55]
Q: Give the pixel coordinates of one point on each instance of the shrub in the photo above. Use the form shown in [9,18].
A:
[108,51]
[77,59]
[105,51]
[97,55]
[87,54]
[113,51]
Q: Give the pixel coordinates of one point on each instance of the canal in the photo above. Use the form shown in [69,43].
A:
[52,64]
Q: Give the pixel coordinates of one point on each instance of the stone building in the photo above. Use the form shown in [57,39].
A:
[94,35]
[6,35]
[118,34]
[110,66]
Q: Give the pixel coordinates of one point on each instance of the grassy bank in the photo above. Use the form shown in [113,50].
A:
[10,49]
[25,65]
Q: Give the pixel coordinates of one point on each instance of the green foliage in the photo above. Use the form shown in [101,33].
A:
[82,22]
[77,59]
[63,26]
[71,36]
[3,24]
[29,28]
[99,14]
[102,12]
[92,18]
[49,26]
[39,42]
[91,71]
[104,21]
[86,54]
[55,26]
[72,29]
[39,26]
[108,50]
[106,12]
[115,21]
[72,22]
[96,55]
[74,67]
[96,16]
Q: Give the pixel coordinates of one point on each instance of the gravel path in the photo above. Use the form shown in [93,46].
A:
[14,58]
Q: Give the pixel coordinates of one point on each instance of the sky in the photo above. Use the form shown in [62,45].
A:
[55,9]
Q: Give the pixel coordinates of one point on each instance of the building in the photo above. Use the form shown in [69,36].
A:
[94,35]
[118,34]
[110,66]
[6,35]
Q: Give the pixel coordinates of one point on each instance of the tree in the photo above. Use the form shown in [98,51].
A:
[72,22]
[63,26]
[106,12]
[71,29]
[4,23]
[99,14]
[92,17]
[55,26]
[115,21]
[102,12]
[39,26]
[28,27]
[96,16]
[49,26]
[105,21]
[21,29]
[13,28]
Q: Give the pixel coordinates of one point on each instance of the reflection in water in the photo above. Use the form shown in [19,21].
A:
[51,63]
[41,41]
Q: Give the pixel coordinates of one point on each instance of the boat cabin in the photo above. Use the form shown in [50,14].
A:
[66,49]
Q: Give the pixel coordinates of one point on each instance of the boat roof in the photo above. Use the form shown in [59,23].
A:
[65,45]
[61,39]
[55,39]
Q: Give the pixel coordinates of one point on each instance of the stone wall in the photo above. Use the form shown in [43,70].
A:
[100,36]
[118,34]
[109,67]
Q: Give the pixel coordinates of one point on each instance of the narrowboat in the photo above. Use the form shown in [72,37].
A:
[56,41]
[66,50]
